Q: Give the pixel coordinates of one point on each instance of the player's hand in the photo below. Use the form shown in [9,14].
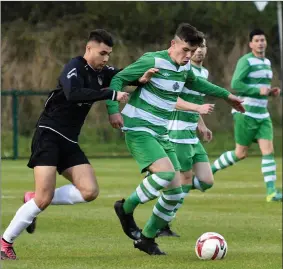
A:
[122,97]
[264,91]
[148,75]
[205,133]
[275,91]
[236,103]
[116,120]
[205,109]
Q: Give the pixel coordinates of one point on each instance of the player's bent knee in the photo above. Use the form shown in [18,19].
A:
[209,181]
[168,176]
[241,154]
[43,202]
[90,195]
[203,184]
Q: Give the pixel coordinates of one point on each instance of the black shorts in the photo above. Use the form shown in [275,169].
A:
[51,149]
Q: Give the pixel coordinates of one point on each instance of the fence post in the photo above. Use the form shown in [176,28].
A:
[15,104]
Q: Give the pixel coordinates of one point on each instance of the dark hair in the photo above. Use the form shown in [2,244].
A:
[256,32]
[189,34]
[101,36]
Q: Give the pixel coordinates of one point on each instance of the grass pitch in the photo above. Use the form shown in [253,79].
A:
[89,236]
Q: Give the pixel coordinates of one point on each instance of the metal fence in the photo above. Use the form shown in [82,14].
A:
[21,109]
[15,94]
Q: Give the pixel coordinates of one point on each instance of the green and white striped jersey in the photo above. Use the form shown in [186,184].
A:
[151,105]
[250,74]
[183,124]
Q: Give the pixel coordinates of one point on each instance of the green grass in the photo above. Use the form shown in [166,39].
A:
[88,236]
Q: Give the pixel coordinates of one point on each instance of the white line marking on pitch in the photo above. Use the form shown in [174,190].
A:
[8,197]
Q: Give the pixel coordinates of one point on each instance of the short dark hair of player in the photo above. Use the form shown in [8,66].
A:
[256,32]
[189,34]
[101,36]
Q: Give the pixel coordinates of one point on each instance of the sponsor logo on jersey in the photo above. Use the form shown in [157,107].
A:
[166,74]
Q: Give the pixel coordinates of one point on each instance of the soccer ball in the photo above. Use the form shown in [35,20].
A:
[211,246]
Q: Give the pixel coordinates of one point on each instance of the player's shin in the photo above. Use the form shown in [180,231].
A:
[163,211]
[23,218]
[148,190]
[268,169]
[185,191]
[226,159]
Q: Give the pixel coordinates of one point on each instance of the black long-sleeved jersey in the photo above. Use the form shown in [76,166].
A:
[79,87]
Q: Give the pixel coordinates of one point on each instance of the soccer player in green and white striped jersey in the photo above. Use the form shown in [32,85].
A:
[252,82]
[146,118]
[183,128]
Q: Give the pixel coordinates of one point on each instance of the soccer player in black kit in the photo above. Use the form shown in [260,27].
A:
[83,81]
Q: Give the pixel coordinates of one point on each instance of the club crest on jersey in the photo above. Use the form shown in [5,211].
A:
[176,86]
[99,79]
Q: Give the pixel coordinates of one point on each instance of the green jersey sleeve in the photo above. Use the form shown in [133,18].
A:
[199,84]
[240,73]
[131,73]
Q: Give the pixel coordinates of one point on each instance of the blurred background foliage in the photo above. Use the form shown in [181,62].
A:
[38,38]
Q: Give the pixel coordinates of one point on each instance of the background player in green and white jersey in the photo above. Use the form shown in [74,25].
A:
[146,118]
[183,128]
[252,82]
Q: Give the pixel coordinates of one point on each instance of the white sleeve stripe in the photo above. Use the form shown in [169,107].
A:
[113,96]
[72,71]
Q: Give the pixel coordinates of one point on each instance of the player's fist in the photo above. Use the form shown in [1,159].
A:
[122,97]
[205,109]
[264,91]
[148,75]
[275,91]
[205,133]
[116,120]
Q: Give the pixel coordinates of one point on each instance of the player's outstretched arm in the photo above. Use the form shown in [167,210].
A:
[110,71]
[72,81]
[187,106]
[201,85]
[131,73]
[116,119]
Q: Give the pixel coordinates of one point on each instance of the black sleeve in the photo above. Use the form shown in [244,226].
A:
[72,81]
[111,71]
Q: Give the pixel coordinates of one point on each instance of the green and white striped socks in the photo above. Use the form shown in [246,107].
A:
[268,169]
[185,191]
[163,211]
[148,190]
[226,159]
[200,185]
